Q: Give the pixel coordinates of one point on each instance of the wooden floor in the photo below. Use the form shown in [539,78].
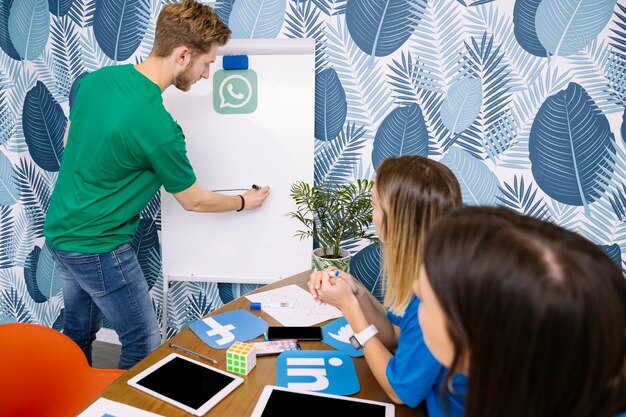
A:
[105,355]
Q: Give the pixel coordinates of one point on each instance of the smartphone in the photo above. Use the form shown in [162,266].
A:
[299,333]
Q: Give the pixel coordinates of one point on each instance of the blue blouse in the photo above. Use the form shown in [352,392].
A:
[416,376]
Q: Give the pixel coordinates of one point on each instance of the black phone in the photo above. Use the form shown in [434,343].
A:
[294,332]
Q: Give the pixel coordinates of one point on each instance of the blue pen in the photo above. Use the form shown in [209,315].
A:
[265,337]
[353,286]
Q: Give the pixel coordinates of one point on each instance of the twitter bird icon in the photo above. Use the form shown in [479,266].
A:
[337,333]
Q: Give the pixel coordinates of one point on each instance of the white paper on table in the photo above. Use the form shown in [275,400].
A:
[104,407]
[304,310]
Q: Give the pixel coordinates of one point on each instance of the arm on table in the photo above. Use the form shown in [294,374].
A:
[339,293]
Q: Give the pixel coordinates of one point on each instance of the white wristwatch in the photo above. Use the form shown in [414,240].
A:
[358,340]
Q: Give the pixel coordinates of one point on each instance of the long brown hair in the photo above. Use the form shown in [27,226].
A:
[191,24]
[414,191]
[539,311]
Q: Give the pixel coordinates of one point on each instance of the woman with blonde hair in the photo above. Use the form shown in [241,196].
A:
[410,193]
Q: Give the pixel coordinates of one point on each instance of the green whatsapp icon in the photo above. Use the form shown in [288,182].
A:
[235,91]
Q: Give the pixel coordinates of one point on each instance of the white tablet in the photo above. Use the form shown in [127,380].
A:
[283,402]
[186,383]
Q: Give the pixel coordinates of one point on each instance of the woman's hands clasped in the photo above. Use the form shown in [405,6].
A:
[334,287]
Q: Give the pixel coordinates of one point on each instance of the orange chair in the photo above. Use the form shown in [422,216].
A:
[44,373]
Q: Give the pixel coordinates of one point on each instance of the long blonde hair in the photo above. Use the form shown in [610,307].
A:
[413,192]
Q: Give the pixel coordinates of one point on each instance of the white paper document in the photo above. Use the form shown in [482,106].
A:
[303,310]
[107,408]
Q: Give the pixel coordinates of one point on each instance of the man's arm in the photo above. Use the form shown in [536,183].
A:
[195,198]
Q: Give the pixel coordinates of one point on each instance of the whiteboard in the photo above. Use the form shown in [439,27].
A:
[272,146]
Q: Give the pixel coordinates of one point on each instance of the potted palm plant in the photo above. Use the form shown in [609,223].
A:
[332,213]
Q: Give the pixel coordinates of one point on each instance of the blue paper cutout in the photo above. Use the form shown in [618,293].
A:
[222,330]
[336,334]
[327,371]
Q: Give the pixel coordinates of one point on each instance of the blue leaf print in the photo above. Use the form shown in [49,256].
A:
[624,126]
[58,323]
[378,27]
[614,252]
[12,305]
[336,160]
[479,185]
[330,105]
[619,41]
[82,12]
[224,8]
[29,27]
[7,319]
[44,125]
[200,305]
[522,199]
[462,104]
[74,87]
[227,291]
[35,193]
[402,132]
[30,276]
[9,191]
[5,38]
[145,243]
[246,288]
[366,268]
[566,27]
[48,277]
[59,7]
[7,234]
[572,149]
[257,18]
[119,26]
[524,21]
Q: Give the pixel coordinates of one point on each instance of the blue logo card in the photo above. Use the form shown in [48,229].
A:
[326,371]
[222,330]
[336,334]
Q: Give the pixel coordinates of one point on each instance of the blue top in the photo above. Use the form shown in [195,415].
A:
[415,375]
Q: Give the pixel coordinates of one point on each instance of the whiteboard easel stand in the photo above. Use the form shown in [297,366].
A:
[290,89]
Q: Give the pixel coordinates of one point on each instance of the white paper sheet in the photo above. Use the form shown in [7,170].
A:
[304,310]
[107,408]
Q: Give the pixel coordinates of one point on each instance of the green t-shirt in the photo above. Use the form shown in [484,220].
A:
[122,146]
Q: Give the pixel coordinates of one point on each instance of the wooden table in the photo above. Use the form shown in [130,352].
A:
[240,402]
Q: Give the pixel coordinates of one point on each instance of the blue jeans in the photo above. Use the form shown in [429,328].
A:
[111,284]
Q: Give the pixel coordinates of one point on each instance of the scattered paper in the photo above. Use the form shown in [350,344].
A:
[304,311]
[107,408]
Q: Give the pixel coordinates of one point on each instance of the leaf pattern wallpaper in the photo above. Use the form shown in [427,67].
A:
[525,100]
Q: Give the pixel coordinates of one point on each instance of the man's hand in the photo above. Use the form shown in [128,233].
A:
[255,198]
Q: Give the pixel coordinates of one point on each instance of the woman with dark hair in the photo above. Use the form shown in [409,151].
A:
[410,193]
[534,314]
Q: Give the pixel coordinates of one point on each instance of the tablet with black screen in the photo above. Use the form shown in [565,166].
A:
[284,402]
[186,383]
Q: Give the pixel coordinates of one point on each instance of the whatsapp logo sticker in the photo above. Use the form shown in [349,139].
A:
[235,92]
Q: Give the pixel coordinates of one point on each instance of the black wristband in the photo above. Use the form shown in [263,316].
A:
[243,203]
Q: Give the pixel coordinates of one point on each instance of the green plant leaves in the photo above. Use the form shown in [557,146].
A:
[332,212]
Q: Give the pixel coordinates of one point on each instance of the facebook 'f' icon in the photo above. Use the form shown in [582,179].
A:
[222,330]
[327,371]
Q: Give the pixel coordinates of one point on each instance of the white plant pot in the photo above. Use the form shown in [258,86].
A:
[319,262]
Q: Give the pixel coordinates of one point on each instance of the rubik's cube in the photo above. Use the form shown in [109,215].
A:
[240,358]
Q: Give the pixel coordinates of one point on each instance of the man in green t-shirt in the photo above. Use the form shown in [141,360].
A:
[121,147]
